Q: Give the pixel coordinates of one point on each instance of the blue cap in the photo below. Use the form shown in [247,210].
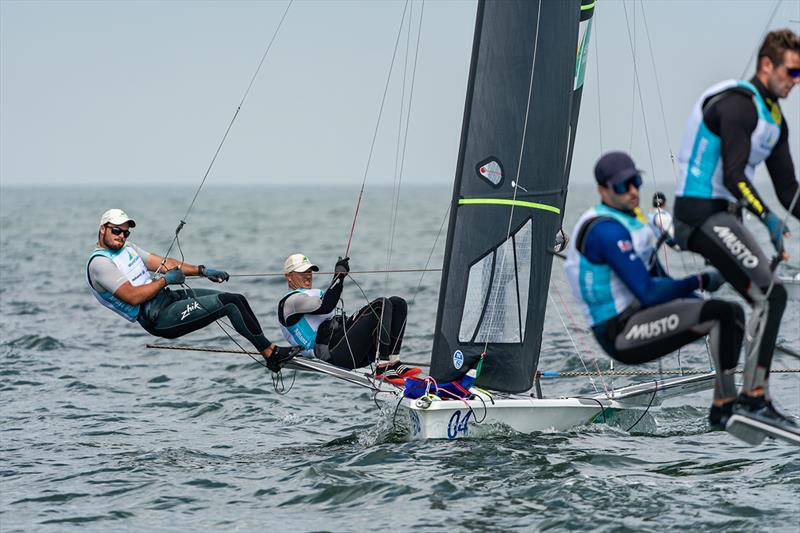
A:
[614,167]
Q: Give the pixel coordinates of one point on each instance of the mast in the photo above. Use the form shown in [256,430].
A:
[509,190]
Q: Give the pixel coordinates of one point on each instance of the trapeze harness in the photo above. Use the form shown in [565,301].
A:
[303,333]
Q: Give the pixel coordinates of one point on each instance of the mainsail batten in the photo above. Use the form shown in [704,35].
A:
[497,269]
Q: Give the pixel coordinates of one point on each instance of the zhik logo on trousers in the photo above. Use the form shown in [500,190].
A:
[189,308]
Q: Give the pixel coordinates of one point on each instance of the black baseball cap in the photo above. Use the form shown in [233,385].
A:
[614,167]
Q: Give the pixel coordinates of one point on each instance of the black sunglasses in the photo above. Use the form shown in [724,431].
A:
[622,188]
[793,72]
[119,231]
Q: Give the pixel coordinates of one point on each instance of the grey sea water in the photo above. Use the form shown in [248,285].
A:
[99,432]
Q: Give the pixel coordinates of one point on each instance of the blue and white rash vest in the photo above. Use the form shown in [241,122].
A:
[304,332]
[700,170]
[602,294]
[132,267]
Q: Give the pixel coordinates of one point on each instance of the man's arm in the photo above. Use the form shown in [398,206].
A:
[298,304]
[141,294]
[609,242]
[734,118]
[781,171]
[105,276]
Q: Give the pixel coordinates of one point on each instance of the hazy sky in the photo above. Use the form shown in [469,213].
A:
[142,92]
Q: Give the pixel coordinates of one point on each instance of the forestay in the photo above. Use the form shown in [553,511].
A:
[521,107]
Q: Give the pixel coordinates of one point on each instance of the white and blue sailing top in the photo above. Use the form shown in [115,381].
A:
[121,266]
[700,170]
[602,293]
[304,332]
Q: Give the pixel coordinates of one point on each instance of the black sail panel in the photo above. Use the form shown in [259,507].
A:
[509,189]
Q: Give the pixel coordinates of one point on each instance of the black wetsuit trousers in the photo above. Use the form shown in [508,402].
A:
[647,334]
[174,313]
[732,250]
[377,327]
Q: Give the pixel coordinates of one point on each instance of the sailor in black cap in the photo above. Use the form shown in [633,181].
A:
[637,312]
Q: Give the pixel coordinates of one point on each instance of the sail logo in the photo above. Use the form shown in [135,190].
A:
[654,328]
[739,250]
[458,359]
[457,425]
[490,170]
[189,308]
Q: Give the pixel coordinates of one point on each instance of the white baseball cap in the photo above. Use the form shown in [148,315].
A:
[298,263]
[116,217]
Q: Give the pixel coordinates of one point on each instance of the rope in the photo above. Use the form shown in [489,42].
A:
[574,344]
[399,178]
[395,270]
[763,33]
[225,136]
[375,133]
[542,374]
[638,87]
[211,349]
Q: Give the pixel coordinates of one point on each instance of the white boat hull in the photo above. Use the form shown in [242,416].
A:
[454,419]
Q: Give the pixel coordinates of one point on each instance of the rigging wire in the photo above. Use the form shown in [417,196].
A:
[377,125]
[382,271]
[185,218]
[395,187]
[638,85]
[396,205]
[635,77]
[672,157]
[574,344]
[763,33]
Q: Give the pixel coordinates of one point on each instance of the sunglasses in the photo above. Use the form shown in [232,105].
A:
[793,72]
[120,231]
[622,188]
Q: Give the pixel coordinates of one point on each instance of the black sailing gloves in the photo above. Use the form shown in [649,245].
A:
[217,276]
[342,267]
[174,276]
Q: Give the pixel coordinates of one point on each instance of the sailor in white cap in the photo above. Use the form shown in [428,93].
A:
[308,319]
[118,273]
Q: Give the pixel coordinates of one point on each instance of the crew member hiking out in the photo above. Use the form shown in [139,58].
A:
[308,319]
[734,126]
[638,315]
[118,274]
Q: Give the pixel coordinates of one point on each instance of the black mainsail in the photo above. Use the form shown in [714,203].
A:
[516,144]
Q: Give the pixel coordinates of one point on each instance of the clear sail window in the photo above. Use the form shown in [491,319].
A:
[496,304]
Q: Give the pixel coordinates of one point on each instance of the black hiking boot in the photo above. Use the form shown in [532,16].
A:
[718,416]
[280,356]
